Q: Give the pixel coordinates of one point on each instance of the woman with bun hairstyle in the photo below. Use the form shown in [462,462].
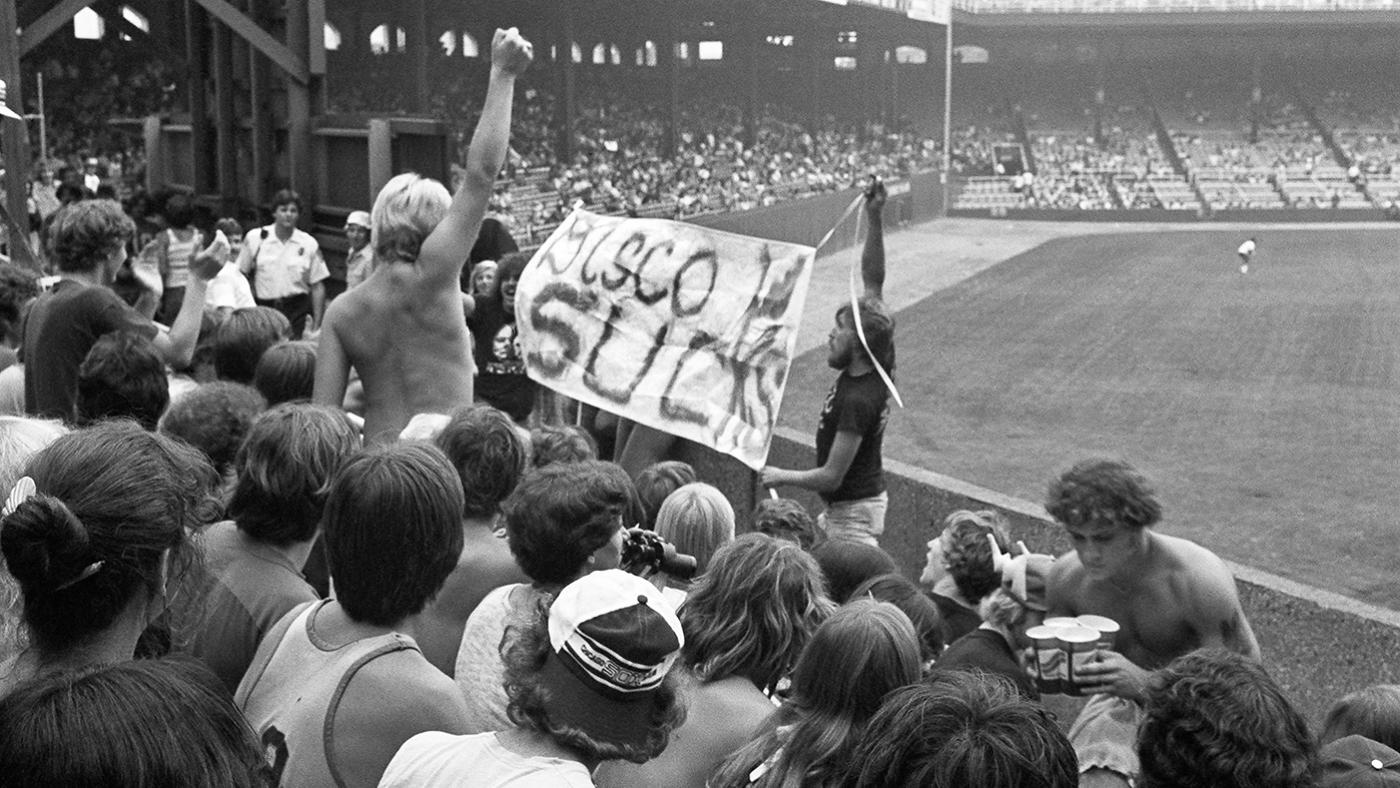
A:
[96,533]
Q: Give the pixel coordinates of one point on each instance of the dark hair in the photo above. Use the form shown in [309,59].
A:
[968,554]
[111,500]
[285,469]
[17,287]
[84,234]
[123,376]
[511,267]
[138,723]
[214,418]
[490,456]
[231,227]
[962,730]
[179,211]
[753,611]
[561,443]
[785,518]
[878,326]
[528,703]
[906,595]
[393,530]
[287,197]
[659,480]
[560,514]
[847,564]
[1373,712]
[1213,717]
[286,372]
[1103,490]
[243,338]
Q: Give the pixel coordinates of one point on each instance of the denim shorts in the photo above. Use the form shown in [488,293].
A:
[861,520]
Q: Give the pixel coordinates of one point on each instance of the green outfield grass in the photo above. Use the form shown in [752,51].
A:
[1265,407]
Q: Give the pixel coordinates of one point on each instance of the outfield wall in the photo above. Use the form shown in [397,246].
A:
[1318,645]
[1161,215]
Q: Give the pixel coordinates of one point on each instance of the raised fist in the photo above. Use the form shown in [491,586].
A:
[207,263]
[874,195]
[510,52]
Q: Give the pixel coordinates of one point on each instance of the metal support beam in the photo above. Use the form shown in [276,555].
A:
[286,59]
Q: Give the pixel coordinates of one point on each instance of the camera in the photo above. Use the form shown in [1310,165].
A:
[643,550]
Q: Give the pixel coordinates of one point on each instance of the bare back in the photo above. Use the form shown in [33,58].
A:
[408,340]
[485,565]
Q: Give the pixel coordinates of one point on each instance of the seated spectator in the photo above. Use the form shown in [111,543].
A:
[144,723]
[855,658]
[214,418]
[490,456]
[337,686]
[98,539]
[589,681]
[746,622]
[1007,612]
[563,521]
[655,482]
[560,443]
[1373,712]
[959,571]
[1355,760]
[123,376]
[784,518]
[1215,717]
[846,564]
[962,730]
[255,560]
[906,595]
[698,520]
[286,372]
[243,338]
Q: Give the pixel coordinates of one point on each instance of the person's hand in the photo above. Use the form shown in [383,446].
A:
[1113,674]
[147,275]
[511,53]
[770,476]
[207,264]
[875,196]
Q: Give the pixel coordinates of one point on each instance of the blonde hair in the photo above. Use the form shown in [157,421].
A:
[405,212]
[698,520]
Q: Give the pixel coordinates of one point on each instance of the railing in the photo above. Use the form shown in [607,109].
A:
[1166,6]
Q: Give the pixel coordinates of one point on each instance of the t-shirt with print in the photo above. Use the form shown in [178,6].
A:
[858,404]
[501,381]
[60,329]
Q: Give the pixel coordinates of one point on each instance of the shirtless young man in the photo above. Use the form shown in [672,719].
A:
[1168,595]
[404,330]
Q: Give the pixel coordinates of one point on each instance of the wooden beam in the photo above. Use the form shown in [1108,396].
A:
[316,31]
[260,39]
[48,24]
[14,144]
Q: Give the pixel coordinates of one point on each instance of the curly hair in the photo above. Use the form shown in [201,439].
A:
[659,480]
[968,554]
[85,234]
[1103,490]
[525,649]
[753,611]
[785,518]
[559,515]
[561,443]
[1373,712]
[17,287]
[1216,719]
[214,418]
[489,453]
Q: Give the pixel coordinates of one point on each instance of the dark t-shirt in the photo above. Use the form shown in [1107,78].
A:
[982,649]
[500,369]
[59,330]
[493,242]
[860,405]
[957,619]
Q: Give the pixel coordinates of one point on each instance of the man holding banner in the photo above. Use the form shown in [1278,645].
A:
[849,475]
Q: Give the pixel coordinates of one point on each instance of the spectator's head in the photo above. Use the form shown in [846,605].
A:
[18,287]
[285,469]
[123,376]
[753,611]
[698,520]
[357,230]
[1106,507]
[878,327]
[566,520]
[659,480]
[286,372]
[962,730]
[286,209]
[90,237]
[963,553]
[508,276]
[1019,602]
[846,564]
[214,418]
[1214,717]
[179,211]
[784,518]
[561,443]
[594,671]
[393,531]
[145,722]
[233,230]
[405,212]
[484,279]
[904,594]
[490,456]
[105,531]
[243,338]
[1373,712]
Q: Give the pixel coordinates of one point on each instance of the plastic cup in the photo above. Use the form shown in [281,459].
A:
[1106,627]
[1061,621]
[1080,646]
[1049,659]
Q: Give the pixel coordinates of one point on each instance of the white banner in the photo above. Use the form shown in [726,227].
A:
[682,328]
